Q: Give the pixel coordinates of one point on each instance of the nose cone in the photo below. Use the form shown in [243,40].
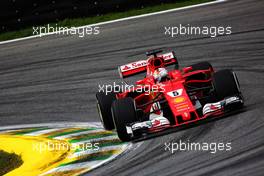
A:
[186,116]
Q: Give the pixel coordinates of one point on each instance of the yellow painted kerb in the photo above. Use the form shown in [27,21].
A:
[38,154]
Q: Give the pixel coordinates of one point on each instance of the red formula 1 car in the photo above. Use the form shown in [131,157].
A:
[167,99]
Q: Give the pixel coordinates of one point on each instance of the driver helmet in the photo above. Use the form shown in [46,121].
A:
[159,74]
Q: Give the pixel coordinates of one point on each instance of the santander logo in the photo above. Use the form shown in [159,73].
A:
[133,65]
[126,68]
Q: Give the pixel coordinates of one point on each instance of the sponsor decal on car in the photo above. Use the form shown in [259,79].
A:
[179,100]
[175,93]
[133,65]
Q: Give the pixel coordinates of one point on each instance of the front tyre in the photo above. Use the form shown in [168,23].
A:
[226,84]
[123,112]
[104,102]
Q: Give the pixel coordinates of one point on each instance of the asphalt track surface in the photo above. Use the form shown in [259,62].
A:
[54,78]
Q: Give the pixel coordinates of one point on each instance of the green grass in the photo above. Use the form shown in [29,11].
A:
[8,162]
[96,19]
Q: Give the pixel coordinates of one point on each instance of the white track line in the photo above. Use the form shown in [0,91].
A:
[95,140]
[101,149]
[122,19]
[42,132]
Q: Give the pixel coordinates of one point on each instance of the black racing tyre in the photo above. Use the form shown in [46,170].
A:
[123,112]
[225,84]
[202,66]
[104,102]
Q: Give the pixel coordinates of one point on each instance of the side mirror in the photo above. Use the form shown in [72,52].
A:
[140,82]
[187,69]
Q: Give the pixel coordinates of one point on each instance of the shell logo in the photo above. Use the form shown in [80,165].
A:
[179,99]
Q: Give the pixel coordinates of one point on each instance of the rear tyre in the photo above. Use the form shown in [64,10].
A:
[202,66]
[104,102]
[123,112]
[225,84]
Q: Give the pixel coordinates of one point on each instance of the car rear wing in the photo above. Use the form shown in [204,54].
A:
[137,67]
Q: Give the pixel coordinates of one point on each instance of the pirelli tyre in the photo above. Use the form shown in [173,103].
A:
[104,102]
[123,112]
[226,84]
[202,66]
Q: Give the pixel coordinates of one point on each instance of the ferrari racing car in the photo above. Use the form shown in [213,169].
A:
[166,99]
